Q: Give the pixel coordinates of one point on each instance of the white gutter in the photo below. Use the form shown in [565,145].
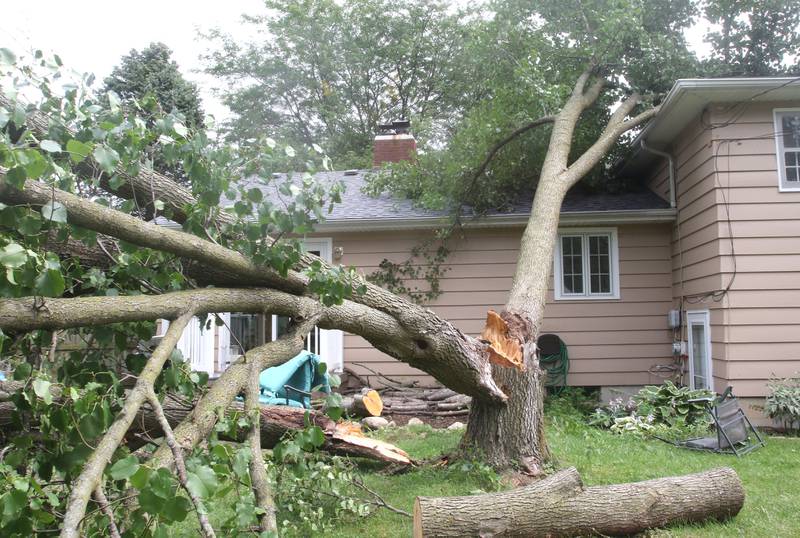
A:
[573,218]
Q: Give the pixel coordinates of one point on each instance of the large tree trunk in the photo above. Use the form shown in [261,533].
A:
[560,506]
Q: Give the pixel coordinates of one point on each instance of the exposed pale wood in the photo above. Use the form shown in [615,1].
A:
[504,350]
[367,403]
[560,506]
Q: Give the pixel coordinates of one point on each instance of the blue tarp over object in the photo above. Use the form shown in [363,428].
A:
[301,372]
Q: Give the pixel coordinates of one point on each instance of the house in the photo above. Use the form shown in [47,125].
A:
[695,278]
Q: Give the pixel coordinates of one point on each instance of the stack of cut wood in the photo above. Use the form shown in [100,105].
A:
[424,402]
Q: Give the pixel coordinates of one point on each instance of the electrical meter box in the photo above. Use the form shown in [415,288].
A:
[674,318]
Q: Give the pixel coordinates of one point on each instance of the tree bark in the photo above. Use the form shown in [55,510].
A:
[560,506]
[512,435]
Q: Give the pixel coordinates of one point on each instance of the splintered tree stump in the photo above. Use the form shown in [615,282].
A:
[560,505]
[504,349]
[367,403]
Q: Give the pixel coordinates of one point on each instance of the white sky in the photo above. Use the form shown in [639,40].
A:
[92,35]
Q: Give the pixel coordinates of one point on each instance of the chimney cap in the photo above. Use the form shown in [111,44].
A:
[401,126]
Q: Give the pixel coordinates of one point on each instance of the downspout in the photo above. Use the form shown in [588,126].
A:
[671,163]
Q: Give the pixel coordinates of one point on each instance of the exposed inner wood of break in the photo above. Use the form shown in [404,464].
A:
[504,349]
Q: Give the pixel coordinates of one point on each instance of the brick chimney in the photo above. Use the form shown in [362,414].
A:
[393,143]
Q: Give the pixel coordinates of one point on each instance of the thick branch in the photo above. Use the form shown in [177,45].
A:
[92,473]
[455,359]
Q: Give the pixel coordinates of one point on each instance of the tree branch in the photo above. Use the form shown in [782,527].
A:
[105,507]
[180,463]
[233,381]
[498,146]
[92,473]
[258,473]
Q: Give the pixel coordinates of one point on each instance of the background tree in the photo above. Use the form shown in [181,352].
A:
[754,37]
[152,73]
[328,72]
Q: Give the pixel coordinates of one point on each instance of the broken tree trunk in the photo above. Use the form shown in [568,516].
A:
[367,403]
[559,506]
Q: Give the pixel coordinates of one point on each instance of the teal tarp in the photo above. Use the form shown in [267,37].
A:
[301,372]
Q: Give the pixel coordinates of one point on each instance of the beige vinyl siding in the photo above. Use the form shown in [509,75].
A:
[730,171]
[609,341]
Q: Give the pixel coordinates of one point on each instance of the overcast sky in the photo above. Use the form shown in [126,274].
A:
[92,35]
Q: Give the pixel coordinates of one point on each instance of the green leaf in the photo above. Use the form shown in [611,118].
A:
[180,129]
[139,478]
[13,256]
[50,283]
[54,211]
[289,151]
[22,371]
[316,436]
[202,481]
[78,151]
[124,468]
[176,508]
[50,146]
[41,387]
[106,157]
[16,177]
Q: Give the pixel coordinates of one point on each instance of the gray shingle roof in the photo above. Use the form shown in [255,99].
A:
[357,205]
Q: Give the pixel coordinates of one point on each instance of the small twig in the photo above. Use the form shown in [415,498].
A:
[180,463]
[379,500]
[102,501]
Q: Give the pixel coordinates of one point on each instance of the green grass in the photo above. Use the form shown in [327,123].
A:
[771,478]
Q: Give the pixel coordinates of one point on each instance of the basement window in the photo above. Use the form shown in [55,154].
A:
[586,264]
[787,141]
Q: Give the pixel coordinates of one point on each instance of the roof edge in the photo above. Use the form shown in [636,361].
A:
[573,218]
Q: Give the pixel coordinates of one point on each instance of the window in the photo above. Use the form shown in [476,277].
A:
[787,141]
[586,264]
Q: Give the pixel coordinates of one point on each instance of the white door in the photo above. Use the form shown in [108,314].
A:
[325,343]
[699,331]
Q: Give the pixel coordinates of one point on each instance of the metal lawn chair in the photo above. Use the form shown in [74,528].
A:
[291,383]
[734,432]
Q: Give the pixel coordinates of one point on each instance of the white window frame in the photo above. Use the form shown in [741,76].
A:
[777,114]
[613,248]
[331,341]
[700,317]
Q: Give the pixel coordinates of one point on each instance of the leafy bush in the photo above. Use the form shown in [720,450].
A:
[672,405]
[783,402]
[664,411]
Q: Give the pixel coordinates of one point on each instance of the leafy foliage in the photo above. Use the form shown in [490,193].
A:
[754,37]
[783,402]
[664,410]
[65,400]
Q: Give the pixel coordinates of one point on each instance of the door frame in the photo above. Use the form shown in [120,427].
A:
[695,317]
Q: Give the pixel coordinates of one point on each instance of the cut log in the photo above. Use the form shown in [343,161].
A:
[367,403]
[559,505]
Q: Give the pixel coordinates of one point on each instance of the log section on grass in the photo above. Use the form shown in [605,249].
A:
[367,403]
[560,505]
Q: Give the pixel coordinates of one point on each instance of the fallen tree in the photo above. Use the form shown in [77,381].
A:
[258,270]
[560,506]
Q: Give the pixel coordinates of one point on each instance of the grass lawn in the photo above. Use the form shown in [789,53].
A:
[771,478]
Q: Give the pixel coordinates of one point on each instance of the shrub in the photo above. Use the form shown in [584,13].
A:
[664,411]
[783,402]
[672,405]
